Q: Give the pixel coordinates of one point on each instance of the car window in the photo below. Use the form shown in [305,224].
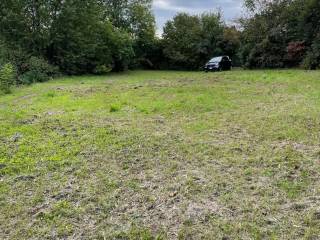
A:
[216,59]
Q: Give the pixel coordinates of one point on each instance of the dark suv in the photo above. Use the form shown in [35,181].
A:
[218,64]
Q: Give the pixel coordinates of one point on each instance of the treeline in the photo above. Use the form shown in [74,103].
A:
[281,33]
[41,39]
[75,37]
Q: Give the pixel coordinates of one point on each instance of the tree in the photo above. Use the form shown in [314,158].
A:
[136,18]
[312,59]
[75,35]
[81,42]
[143,30]
[230,43]
[212,36]
[182,41]
[189,41]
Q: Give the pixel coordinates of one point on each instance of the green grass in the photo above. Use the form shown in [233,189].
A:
[162,155]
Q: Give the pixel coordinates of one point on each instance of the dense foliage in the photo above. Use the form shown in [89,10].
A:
[281,33]
[190,40]
[77,36]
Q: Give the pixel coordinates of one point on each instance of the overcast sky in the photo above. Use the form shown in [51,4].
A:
[166,9]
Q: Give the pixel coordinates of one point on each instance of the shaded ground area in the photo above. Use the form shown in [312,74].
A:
[166,155]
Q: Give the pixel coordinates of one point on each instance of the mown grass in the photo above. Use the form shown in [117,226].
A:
[166,155]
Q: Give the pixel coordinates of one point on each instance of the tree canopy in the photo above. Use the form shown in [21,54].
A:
[86,36]
[281,33]
[189,41]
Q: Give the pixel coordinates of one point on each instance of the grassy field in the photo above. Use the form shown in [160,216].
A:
[162,155]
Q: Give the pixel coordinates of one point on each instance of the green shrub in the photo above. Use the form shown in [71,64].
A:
[7,78]
[37,70]
[310,62]
[102,69]
[29,69]
[312,59]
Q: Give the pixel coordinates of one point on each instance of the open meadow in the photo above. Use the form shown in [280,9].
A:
[162,155]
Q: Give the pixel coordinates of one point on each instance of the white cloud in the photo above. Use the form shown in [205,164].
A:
[167,5]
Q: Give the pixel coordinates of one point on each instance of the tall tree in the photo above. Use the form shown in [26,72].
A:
[81,40]
[189,41]
[26,23]
[182,39]
[135,17]
[75,35]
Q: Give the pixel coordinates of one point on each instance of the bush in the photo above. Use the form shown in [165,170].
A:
[29,69]
[269,53]
[37,70]
[7,78]
[102,69]
[312,60]
[295,53]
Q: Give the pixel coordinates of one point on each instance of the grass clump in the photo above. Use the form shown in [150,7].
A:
[114,108]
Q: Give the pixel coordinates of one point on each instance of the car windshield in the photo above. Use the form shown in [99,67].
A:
[216,59]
